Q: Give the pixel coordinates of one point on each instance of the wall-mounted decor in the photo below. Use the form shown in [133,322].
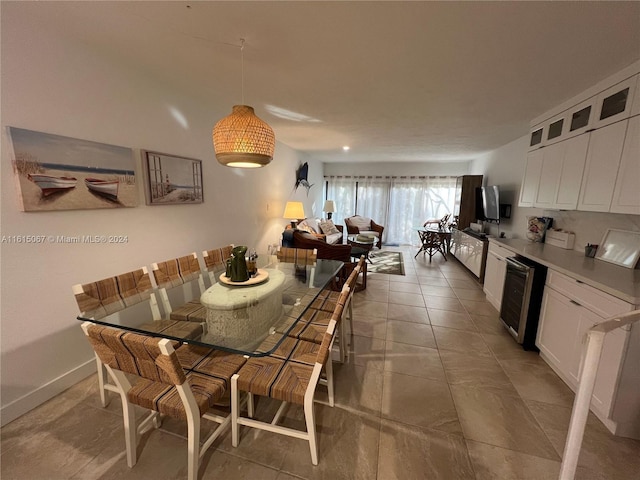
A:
[172,180]
[62,173]
[302,174]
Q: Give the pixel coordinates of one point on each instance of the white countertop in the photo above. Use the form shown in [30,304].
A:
[622,283]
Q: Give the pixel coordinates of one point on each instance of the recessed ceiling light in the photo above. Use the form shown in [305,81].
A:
[346,148]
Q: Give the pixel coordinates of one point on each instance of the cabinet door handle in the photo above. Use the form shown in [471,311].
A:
[575,303]
[579,281]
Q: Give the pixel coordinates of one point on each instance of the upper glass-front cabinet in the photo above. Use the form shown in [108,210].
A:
[614,103]
[535,140]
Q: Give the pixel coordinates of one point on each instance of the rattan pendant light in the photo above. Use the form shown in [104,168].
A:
[242,139]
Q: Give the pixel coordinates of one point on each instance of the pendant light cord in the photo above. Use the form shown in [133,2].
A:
[242,66]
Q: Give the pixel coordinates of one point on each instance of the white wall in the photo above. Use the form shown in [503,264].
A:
[505,167]
[52,85]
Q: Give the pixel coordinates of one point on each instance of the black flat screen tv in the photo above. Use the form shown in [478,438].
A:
[491,204]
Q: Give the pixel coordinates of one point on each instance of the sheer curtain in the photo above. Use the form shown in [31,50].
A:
[400,204]
[412,201]
[373,199]
[342,190]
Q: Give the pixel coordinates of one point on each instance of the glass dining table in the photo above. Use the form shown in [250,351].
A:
[250,319]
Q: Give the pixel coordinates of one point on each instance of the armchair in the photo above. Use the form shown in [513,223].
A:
[363,225]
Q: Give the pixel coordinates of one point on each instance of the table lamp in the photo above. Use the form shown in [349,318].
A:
[293,211]
[329,208]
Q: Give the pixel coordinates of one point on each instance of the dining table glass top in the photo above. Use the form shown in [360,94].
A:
[251,318]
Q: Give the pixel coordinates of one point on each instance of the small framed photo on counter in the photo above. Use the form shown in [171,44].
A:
[620,247]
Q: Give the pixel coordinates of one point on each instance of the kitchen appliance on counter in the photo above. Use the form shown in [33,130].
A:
[522,298]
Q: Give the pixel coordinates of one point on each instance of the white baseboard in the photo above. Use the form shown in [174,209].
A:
[37,397]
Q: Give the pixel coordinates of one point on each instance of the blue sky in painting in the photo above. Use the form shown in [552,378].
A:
[47,148]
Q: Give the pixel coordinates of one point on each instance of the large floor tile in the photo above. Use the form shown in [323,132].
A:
[449,319]
[500,420]
[347,444]
[433,281]
[412,360]
[488,323]
[219,465]
[470,370]
[458,282]
[470,294]
[419,401]
[430,290]
[375,327]
[442,303]
[367,352]
[536,381]
[356,388]
[409,452]
[64,444]
[479,307]
[368,308]
[495,463]
[372,293]
[504,347]
[411,333]
[610,456]
[410,299]
[408,313]
[407,278]
[405,287]
[460,341]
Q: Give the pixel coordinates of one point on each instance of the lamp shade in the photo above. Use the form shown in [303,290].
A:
[329,206]
[243,140]
[293,210]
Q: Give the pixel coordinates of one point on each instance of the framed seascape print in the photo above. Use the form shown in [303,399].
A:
[620,247]
[172,180]
[62,173]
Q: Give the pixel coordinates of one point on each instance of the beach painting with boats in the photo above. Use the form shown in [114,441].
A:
[63,173]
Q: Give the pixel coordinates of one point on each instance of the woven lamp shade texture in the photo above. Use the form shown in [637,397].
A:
[243,140]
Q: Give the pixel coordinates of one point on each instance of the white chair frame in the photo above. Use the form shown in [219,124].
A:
[132,433]
[309,410]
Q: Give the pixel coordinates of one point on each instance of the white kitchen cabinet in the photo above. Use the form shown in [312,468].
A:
[536,136]
[470,251]
[614,103]
[569,310]
[601,167]
[635,104]
[626,193]
[531,179]
[573,160]
[494,273]
[561,174]
[557,330]
[549,175]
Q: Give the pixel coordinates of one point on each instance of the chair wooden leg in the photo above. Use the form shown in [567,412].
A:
[193,441]
[330,389]
[309,416]
[250,407]
[128,413]
[103,392]
[235,410]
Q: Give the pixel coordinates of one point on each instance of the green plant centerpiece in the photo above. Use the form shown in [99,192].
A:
[239,272]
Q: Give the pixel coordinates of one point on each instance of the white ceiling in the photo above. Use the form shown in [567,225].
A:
[396,81]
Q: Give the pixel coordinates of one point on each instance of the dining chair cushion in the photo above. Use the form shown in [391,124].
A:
[191,355]
[166,399]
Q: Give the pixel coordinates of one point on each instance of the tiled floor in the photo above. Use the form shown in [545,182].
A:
[434,389]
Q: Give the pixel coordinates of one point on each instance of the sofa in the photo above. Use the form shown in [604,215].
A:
[306,240]
[323,229]
[364,226]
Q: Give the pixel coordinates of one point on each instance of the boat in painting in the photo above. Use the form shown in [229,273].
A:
[50,184]
[106,188]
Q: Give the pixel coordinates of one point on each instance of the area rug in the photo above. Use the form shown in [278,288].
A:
[386,262]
